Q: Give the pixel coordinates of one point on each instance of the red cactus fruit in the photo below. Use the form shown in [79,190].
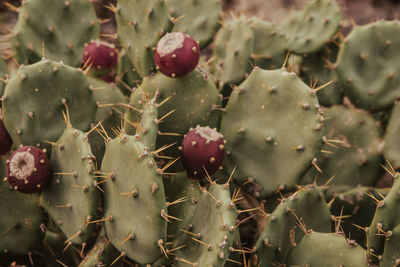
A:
[202,148]
[28,169]
[177,54]
[5,139]
[101,55]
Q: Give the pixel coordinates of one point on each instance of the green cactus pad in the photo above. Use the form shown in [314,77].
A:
[270,44]
[355,157]
[273,131]
[193,97]
[214,224]
[141,23]
[138,188]
[311,28]
[282,231]
[384,223]
[367,65]
[319,67]
[61,27]
[232,52]
[34,99]
[328,250]
[391,255]
[392,138]
[71,197]
[148,126]
[110,110]
[198,18]
[21,220]
[359,205]
[180,187]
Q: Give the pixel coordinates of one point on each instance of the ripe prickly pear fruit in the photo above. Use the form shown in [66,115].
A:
[5,139]
[202,148]
[177,54]
[28,169]
[101,55]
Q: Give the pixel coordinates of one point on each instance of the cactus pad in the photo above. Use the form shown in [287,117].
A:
[309,29]
[328,250]
[136,187]
[271,149]
[368,72]
[290,221]
[35,98]
[199,18]
[55,29]
[71,198]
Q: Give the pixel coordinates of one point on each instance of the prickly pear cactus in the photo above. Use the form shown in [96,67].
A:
[180,96]
[59,35]
[383,225]
[211,231]
[118,195]
[352,149]
[327,249]
[355,207]
[22,220]
[71,198]
[141,23]
[391,254]
[262,138]
[232,52]
[199,18]
[290,221]
[270,44]
[137,187]
[309,29]
[36,97]
[368,73]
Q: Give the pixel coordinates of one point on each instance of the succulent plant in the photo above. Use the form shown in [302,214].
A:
[148,147]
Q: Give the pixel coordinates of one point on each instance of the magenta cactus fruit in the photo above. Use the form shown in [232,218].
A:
[101,55]
[5,139]
[177,54]
[202,148]
[28,169]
